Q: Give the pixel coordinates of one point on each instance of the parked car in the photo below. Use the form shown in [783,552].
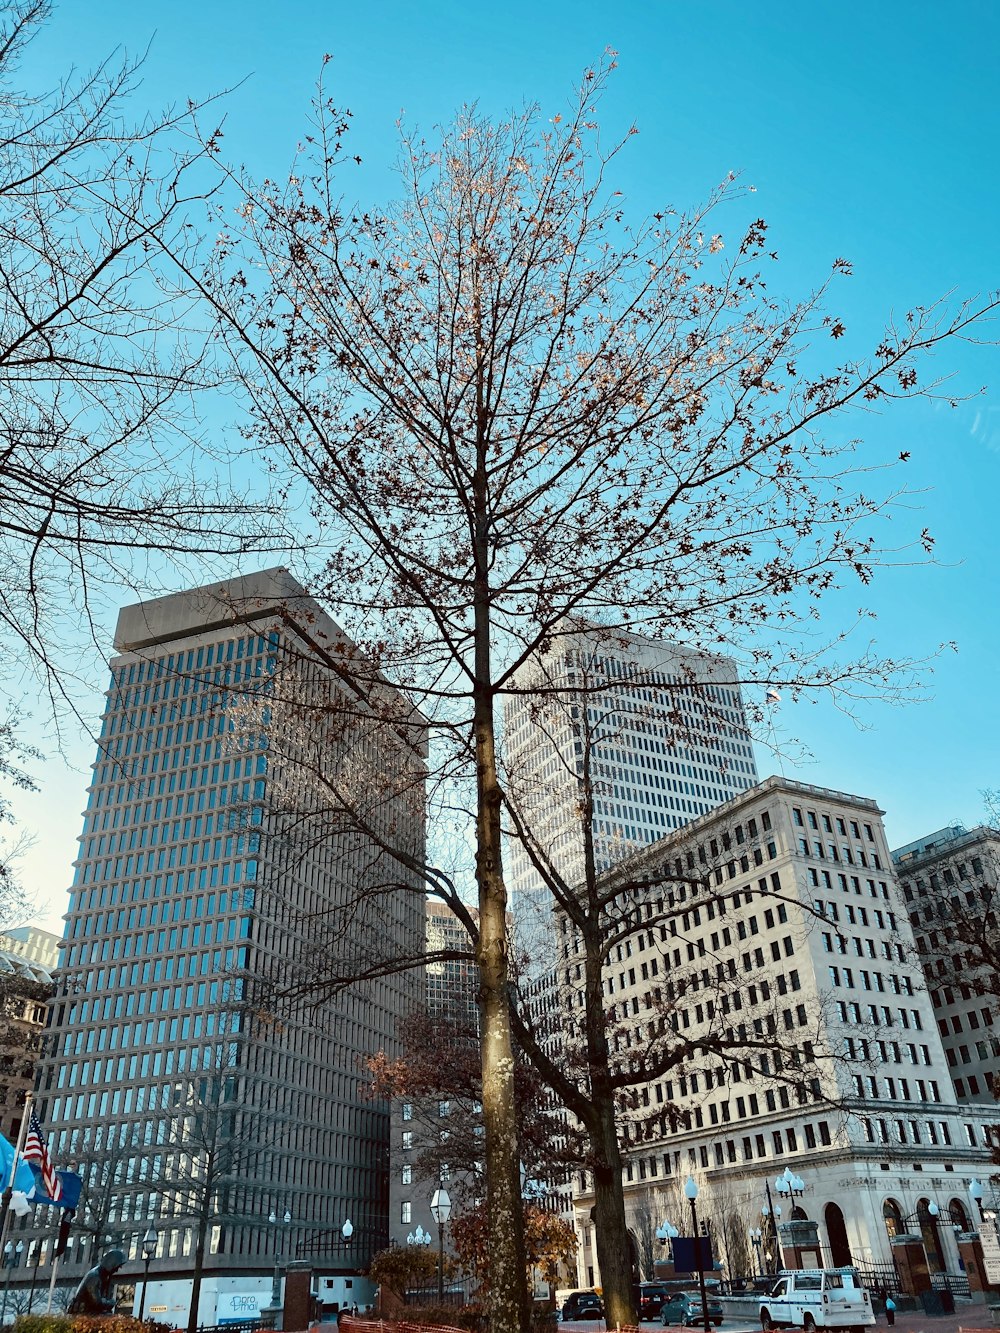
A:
[684,1307]
[582,1305]
[650,1298]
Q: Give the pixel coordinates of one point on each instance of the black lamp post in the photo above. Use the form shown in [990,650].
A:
[691,1190]
[755,1237]
[276,1278]
[149,1243]
[441,1211]
[35,1254]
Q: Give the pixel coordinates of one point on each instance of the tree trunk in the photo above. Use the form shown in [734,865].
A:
[508,1288]
[199,1264]
[509,1308]
[614,1249]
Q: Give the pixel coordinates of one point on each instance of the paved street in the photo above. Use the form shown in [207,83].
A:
[966,1317]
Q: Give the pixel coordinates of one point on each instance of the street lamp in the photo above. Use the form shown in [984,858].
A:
[11,1258]
[149,1243]
[666,1232]
[441,1211]
[691,1191]
[419,1237]
[772,1216]
[276,1278]
[755,1238]
[789,1185]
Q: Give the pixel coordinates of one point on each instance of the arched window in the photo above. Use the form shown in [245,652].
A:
[959,1215]
[892,1215]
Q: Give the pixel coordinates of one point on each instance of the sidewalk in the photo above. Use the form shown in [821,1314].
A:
[915,1321]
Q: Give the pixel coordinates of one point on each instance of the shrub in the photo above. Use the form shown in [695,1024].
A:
[43,1323]
[469,1317]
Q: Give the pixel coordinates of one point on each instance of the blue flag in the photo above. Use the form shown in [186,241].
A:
[71,1187]
[25,1177]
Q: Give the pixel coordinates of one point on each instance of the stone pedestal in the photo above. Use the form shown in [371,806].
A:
[800,1244]
[297,1311]
[911,1264]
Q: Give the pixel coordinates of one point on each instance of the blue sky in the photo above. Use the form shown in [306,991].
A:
[868,131]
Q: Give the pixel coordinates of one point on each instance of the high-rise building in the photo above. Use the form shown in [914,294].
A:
[950,882]
[26,987]
[421,1161]
[777,920]
[657,730]
[181,1073]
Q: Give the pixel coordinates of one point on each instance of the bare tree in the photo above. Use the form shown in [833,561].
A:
[101,1159]
[510,406]
[102,465]
[15,755]
[213,1139]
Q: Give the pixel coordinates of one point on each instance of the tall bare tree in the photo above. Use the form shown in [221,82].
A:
[510,405]
[103,467]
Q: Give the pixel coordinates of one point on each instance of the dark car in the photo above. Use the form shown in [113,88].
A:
[582,1305]
[650,1298]
[684,1307]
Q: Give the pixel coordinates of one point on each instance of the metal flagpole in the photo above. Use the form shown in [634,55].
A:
[52,1283]
[9,1186]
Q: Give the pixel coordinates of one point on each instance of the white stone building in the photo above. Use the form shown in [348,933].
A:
[659,730]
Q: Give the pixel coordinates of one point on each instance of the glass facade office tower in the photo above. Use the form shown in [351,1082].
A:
[206,883]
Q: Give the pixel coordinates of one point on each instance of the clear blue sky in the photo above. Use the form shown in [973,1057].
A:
[869,131]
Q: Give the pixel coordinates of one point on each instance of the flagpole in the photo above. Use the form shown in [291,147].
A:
[52,1283]
[29,1097]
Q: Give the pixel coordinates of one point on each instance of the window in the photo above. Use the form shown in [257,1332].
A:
[406,1212]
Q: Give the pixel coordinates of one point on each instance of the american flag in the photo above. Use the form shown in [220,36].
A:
[34,1150]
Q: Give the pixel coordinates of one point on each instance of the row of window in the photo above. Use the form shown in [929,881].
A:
[813,822]
[750,1148]
[830,851]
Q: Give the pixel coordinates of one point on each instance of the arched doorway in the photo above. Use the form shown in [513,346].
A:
[836,1230]
[892,1215]
[799,1214]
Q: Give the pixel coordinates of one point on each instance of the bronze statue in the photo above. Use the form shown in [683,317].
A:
[96,1292]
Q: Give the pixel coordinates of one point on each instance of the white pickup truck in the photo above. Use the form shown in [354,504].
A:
[812,1298]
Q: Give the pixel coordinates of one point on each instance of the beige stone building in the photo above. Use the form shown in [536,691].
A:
[782,912]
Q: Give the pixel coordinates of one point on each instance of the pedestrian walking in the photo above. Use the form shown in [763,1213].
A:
[890,1311]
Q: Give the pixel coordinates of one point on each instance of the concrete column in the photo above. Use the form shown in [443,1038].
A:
[971,1252]
[298,1295]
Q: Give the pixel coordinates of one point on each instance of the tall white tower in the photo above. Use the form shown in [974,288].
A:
[658,729]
